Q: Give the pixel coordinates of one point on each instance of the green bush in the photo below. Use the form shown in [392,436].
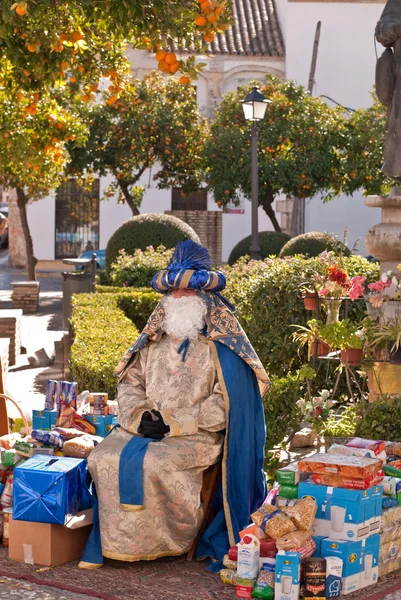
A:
[147,230]
[270,243]
[314,243]
[137,270]
[101,335]
[382,420]
[101,277]
[281,411]
[268,301]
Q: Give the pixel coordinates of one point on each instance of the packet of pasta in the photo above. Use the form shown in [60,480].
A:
[302,513]
[272,521]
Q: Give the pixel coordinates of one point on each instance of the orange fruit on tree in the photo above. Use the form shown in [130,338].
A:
[160,55]
[73,79]
[36,96]
[94,87]
[209,37]
[33,46]
[85,98]
[212,18]
[21,9]
[81,68]
[59,47]
[174,67]
[184,80]
[170,58]
[206,5]
[163,66]
[112,99]
[76,35]
[200,21]
[219,10]
[64,65]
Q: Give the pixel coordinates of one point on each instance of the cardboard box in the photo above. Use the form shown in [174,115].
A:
[360,561]
[45,544]
[103,423]
[48,489]
[290,475]
[287,576]
[44,419]
[344,514]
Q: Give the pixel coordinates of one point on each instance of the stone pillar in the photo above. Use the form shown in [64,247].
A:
[17,257]
[383,241]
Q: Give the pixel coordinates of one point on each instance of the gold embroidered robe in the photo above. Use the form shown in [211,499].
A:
[188,395]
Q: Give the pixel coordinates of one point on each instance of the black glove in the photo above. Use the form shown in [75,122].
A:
[153,429]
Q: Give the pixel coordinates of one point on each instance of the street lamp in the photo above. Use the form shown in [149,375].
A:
[254,107]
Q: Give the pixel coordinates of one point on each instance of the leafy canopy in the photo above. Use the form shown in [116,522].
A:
[44,38]
[154,123]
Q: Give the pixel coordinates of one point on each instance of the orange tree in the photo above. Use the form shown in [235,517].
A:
[85,39]
[302,144]
[362,165]
[155,123]
[34,131]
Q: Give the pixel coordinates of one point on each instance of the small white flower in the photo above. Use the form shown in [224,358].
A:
[329,403]
[360,333]
[318,401]
[394,281]
[324,394]
[301,404]
[390,273]
[384,277]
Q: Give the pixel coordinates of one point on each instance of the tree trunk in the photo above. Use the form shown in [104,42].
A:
[21,203]
[267,204]
[128,198]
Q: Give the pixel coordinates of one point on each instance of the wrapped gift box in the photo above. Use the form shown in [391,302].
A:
[48,489]
[103,423]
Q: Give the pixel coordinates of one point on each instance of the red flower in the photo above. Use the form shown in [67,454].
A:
[337,275]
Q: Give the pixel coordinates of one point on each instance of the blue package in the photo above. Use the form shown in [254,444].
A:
[103,423]
[318,541]
[388,502]
[48,489]
[44,419]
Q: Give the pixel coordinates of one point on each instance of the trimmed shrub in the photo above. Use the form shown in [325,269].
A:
[101,335]
[147,230]
[381,420]
[270,242]
[314,243]
[281,411]
[138,270]
[268,301]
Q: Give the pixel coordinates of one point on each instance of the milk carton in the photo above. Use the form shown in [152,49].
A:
[334,570]
[287,578]
[248,557]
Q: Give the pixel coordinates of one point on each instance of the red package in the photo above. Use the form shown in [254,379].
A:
[376,446]
[351,483]
[395,463]
[268,549]
[243,591]
[233,553]
[83,425]
[307,549]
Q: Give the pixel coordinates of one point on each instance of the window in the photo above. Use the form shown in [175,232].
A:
[196,201]
[77,219]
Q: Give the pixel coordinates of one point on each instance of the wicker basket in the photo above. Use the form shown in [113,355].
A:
[23,417]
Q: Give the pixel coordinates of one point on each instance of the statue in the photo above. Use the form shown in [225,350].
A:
[388,84]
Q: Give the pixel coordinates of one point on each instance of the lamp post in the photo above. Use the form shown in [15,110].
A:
[254,106]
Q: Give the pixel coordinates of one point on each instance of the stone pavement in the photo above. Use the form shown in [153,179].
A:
[24,383]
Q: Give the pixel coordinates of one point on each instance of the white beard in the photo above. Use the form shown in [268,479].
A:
[184,317]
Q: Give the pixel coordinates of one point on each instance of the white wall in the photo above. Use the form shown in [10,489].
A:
[42,224]
[345,71]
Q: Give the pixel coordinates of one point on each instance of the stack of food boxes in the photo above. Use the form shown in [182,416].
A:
[346,484]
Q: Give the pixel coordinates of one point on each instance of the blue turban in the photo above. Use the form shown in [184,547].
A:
[190,267]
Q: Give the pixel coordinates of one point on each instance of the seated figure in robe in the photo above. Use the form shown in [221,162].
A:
[189,396]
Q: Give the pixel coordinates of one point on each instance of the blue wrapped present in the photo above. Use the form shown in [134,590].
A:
[48,489]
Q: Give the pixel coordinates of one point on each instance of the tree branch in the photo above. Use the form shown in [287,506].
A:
[267,204]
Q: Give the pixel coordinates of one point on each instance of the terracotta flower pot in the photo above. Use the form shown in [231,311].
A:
[352,356]
[311,302]
[322,348]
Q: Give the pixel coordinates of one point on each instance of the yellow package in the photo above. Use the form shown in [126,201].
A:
[228,576]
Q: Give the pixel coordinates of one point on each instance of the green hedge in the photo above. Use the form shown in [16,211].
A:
[314,243]
[381,420]
[268,301]
[270,242]
[138,269]
[101,335]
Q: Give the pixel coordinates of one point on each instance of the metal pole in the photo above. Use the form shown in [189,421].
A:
[254,250]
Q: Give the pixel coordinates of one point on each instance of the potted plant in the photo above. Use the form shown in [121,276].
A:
[310,296]
[333,286]
[383,297]
[310,336]
[348,337]
[317,409]
[388,334]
